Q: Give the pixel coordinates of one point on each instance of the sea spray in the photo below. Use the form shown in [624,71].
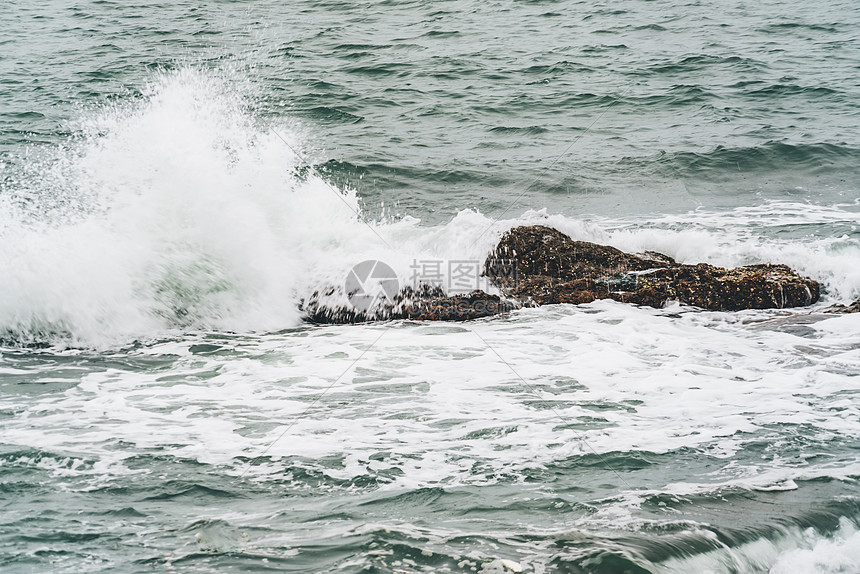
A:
[174,210]
[179,209]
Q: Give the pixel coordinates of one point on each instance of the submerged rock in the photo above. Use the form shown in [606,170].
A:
[540,265]
[852,308]
[427,303]
[475,305]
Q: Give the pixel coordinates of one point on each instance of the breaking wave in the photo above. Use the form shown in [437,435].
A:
[178,209]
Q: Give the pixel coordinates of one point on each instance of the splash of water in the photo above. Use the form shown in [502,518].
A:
[180,210]
[175,210]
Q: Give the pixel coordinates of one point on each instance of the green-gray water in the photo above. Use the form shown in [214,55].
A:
[176,177]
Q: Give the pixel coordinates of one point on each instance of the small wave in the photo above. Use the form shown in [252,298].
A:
[528,130]
[701,62]
[600,48]
[177,490]
[653,27]
[677,95]
[785,90]
[556,69]
[441,34]
[393,176]
[361,47]
[379,69]
[721,162]
[794,27]
[330,114]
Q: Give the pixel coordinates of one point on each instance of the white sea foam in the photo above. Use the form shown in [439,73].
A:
[818,554]
[182,212]
[174,210]
[794,551]
[497,395]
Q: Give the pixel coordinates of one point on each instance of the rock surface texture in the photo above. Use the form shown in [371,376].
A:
[424,304]
[852,308]
[540,265]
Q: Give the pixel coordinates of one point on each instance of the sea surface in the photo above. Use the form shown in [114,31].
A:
[176,178]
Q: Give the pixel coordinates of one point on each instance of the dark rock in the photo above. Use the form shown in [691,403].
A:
[852,308]
[542,265]
[455,308]
[427,303]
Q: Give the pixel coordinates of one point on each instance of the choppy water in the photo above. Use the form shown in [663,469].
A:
[164,407]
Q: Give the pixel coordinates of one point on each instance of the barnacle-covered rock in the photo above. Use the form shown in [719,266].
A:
[426,303]
[852,308]
[541,265]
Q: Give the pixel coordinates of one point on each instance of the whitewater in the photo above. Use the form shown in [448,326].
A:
[165,405]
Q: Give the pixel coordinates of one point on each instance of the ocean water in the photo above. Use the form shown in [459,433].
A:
[176,178]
